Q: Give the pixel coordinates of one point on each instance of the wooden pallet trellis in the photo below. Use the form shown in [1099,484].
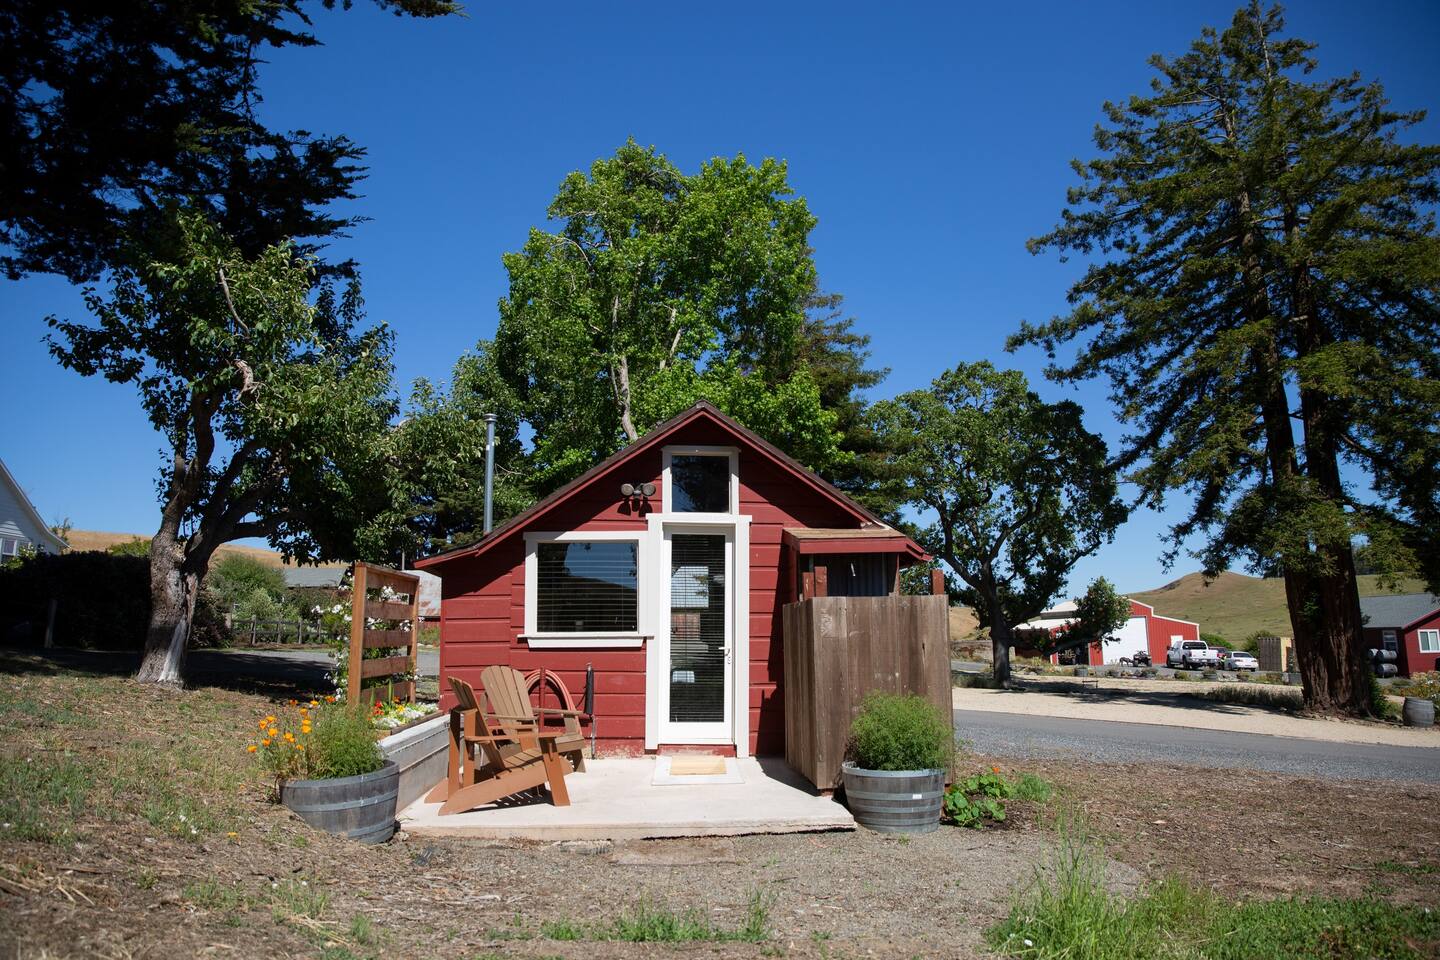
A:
[369,576]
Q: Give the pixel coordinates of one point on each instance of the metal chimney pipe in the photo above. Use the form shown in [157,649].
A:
[489,419]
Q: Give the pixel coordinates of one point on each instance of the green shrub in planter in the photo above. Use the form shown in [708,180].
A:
[893,732]
[344,743]
[900,748]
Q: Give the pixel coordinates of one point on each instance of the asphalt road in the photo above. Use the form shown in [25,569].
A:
[1021,736]
[306,671]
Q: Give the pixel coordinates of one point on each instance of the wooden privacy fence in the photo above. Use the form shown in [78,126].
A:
[386,622]
[838,649]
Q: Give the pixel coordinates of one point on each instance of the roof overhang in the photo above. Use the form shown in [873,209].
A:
[828,541]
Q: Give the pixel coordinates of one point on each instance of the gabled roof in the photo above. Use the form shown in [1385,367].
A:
[701,411]
[1397,611]
[52,542]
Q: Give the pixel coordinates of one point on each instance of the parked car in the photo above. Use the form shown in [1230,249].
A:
[1240,660]
[1191,655]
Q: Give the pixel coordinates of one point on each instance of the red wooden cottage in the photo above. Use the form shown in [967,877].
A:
[675,597]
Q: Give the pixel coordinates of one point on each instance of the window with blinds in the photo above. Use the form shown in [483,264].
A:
[586,587]
[697,628]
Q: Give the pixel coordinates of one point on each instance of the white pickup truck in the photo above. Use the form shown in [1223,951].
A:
[1191,655]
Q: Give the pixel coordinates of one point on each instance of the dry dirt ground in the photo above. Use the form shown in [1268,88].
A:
[136,827]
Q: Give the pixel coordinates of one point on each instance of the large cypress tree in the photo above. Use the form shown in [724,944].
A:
[1264,298]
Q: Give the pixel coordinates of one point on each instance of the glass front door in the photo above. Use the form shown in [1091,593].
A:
[697,657]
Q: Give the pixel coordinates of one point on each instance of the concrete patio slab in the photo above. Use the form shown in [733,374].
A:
[614,799]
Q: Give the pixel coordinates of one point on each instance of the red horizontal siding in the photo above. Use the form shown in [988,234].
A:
[483,597]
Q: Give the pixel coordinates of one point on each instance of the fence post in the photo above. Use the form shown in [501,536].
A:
[415,638]
[937,582]
[357,635]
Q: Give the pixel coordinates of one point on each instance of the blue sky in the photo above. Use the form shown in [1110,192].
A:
[930,141]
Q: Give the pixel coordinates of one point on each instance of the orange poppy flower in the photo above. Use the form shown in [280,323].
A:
[265,743]
[251,748]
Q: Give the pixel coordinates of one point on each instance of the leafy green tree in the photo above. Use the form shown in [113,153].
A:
[835,356]
[658,289]
[236,580]
[1264,298]
[440,460]
[1014,491]
[275,407]
[109,110]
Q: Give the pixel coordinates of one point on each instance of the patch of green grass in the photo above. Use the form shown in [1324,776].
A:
[1033,789]
[363,931]
[561,930]
[647,922]
[214,895]
[1068,912]
[41,796]
[1408,869]
[297,898]
[17,706]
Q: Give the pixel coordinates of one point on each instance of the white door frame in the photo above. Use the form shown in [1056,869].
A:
[736,728]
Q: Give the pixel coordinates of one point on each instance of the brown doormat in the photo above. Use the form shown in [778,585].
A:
[697,766]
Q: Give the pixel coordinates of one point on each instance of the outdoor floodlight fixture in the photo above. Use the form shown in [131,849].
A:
[632,490]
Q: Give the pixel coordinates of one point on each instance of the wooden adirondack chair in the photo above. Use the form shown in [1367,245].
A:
[489,763]
[508,696]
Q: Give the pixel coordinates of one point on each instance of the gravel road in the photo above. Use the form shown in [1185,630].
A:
[1037,737]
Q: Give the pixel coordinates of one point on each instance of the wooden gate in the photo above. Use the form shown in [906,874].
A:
[384,616]
[838,649]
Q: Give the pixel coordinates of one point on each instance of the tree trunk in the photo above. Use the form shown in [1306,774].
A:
[1333,669]
[623,395]
[1000,640]
[173,589]
[1325,616]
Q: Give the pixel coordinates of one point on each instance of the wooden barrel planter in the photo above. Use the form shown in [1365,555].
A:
[894,801]
[361,808]
[1418,712]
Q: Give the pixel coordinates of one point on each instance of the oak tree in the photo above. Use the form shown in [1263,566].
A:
[274,405]
[1012,491]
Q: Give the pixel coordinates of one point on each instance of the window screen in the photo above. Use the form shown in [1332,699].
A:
[585,587]
[700,483]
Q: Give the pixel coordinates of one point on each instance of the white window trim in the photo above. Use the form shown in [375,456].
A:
[1434,635]
[625,639]
[1389,640]
[665,488]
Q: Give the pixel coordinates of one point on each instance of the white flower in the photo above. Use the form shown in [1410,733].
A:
[1028,942]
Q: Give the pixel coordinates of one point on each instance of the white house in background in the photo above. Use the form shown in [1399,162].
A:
[20,525]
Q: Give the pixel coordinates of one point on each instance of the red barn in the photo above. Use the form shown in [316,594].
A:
[673,596]
[1145,630]
[1407,624]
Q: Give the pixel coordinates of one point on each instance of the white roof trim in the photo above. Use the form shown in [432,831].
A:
[54,542]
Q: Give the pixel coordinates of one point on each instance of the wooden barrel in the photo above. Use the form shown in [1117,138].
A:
[1419,712]
[894,801]
[361,808]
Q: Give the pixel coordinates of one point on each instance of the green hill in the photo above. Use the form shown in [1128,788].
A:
[1235,606]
